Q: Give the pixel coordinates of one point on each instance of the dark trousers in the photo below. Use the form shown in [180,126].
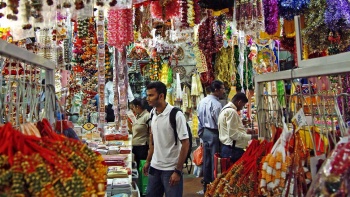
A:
[234,153]
[158,184]
[211,144]
[140,153]
[110,113]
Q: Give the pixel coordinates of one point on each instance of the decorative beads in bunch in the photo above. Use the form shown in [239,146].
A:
[100,3]
[79,4]
[18,183]
[49,2]
[5,172]
[83,27]
[67,4]
[184,9]
[2,5]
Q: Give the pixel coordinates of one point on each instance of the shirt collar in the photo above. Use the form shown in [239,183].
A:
[142,113]
[166,110]
[213,96]
[232,105]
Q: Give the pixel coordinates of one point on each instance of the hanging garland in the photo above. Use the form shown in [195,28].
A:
[184,13]
[165,10]
[210,41]
[120,29]
[288,9]
[271,16]
[223,66]
[337,15]
[190,13]
[249,15]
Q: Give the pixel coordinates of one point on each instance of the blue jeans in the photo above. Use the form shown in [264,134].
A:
[234,153]
[158,184]
[211,145]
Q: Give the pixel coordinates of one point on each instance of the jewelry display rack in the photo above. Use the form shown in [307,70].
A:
[21,85]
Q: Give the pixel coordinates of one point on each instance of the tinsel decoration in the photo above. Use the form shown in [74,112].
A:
[337,15]
[197,12]
[223,68]
[184,10]
[236,59]
[120,30]
[190,13]
[315,32]
[165,10]
[290,8]
[271,16]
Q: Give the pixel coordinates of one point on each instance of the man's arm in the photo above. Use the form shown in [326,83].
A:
[183,153]
[149,156]
[236,129]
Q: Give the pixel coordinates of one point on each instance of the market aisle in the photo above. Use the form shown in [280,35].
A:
[192,185]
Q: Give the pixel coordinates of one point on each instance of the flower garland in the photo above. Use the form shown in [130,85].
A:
[337,14]
[249,15]
[242,179]
[165,10]
[197,12]
[224,70]
[190,13]
[271,16]
[48,166]
[209,42]
[184,12]
[290,8]
[120,30]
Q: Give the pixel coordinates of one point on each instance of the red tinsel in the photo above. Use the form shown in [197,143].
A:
[170,10]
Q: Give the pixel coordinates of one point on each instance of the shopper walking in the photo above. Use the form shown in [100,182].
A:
[165,158]
[208,111]
[140,130]
[232,134]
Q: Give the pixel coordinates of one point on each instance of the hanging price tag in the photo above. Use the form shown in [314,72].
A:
[299,119]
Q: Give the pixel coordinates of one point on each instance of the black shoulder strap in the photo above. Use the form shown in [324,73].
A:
[150,118]
[172,119]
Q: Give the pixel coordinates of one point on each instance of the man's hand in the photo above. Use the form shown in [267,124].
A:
[174,179]
[252,131]
[145,168]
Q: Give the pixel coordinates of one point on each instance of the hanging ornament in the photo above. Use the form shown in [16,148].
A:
[165,10]
[120,30]
[271,16]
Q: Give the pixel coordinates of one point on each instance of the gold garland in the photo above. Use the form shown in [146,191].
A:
[223,69]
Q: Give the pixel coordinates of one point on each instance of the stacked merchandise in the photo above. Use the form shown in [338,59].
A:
[119,186]
[39,162]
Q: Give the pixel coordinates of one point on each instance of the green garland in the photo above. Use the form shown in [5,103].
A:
[246,78]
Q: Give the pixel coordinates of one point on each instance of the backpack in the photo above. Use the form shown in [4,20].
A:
[172,120]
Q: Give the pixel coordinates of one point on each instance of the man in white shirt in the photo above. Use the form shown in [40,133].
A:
[165,155]
[232,134]
[109,99]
